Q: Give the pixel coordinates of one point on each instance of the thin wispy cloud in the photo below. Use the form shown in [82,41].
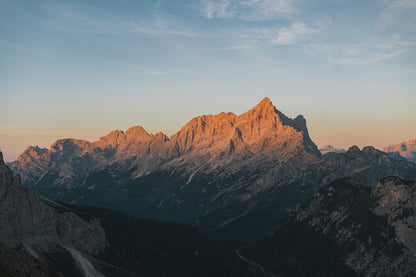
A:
[364,54]
[390,56]
[398,14]
[247,9]
[271,7]
[74,20]
[218,9]
[295,33]
[396,42]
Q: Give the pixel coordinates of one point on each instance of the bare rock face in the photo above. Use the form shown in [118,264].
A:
[227,141]
[405,150]
[396,200]
[373,227]
[28,222]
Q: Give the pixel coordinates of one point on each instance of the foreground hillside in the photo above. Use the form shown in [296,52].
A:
[149,247]
[86,241]
[347,228]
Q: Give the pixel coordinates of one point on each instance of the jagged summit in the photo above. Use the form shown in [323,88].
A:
[262,128]
[224,143]
[265,104]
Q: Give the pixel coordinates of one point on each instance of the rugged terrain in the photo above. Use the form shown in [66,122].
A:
[233,176]
[348,228]
[39,237]
[256,218]
[30,223]
[405,150]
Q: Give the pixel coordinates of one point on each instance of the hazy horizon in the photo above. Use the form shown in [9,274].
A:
[84,68]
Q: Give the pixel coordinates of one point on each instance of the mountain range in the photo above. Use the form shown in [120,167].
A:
[219,172]
[250,194]
[347,227]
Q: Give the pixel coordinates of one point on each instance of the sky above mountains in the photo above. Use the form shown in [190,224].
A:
[83,68]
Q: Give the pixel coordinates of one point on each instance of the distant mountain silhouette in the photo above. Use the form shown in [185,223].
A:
[404,150]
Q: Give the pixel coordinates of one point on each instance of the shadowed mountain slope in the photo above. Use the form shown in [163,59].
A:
[347,228]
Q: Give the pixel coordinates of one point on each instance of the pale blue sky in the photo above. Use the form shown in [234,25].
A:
[83,68]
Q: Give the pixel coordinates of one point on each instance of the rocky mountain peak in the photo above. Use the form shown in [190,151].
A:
[111,140]
[263,111]
[404,150]
[369,149]
[329,150]
[265,104]
[354,149]
[68,143]
[204,131]
[136,131]
[162,136]
[32,152]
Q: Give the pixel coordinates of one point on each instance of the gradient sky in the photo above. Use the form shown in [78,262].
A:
[83,68]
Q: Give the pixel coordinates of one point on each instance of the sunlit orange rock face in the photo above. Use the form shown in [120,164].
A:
[259,136]
[261,132]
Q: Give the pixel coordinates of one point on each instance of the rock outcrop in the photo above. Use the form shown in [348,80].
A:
[39,227]
[348,226]
[405,150]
